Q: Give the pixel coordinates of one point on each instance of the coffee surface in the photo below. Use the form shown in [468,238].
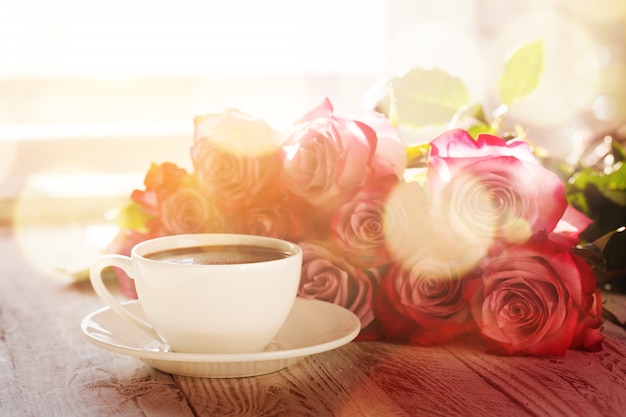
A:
[218,255]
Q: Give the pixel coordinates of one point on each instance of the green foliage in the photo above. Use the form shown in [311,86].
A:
[133,217]
[608,181]
[611,185]
[477,129]
[433,97]
[522,72]
[426,97]
[599,191]
[578,199]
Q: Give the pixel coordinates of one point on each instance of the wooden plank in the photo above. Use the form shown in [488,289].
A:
[360,379]
[575,385]
[429,381]
[327,384]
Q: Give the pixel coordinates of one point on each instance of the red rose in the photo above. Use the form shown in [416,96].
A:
[588,335]
[422,301]
[537,299]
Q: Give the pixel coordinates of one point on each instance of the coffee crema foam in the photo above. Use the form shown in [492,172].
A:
[218,255]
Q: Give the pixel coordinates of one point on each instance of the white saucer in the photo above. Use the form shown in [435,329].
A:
[313,326]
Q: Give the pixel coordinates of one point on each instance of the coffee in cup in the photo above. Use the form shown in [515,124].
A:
[208,293]
[218,255]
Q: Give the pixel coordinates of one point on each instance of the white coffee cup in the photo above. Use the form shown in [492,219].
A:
[215,308]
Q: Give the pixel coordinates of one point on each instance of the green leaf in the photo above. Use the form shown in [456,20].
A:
[521,72]
[476,130]
[133,217]
[426,97]
[612,185]
[618,197]
[578,199]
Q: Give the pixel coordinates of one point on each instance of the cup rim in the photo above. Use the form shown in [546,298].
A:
[198,239]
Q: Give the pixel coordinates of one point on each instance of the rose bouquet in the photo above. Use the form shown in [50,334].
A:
[469,233]
[478,241]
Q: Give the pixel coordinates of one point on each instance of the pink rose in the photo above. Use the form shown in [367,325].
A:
[327,276]
[457,143]
[568,229]
[422,301]
[537,299]
[236,159]
[489,193]
[327,158]
[390,156]
[359,225]
[188,211]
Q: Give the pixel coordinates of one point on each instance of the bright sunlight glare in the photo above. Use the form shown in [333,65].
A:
[59,250]
[129,38]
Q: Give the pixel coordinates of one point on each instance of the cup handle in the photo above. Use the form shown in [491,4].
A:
[95,275]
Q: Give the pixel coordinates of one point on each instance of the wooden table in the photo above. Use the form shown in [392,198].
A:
[47,368]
